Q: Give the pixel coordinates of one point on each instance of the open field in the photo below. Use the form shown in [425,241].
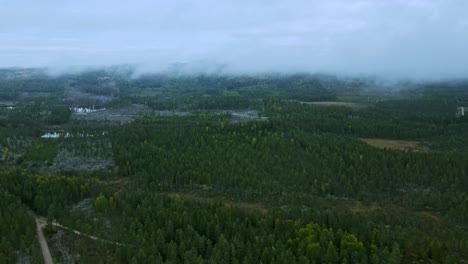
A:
[396,144]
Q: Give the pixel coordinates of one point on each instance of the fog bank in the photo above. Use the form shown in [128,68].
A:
[418,39]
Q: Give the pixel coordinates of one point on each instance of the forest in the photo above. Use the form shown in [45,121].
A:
[166,168]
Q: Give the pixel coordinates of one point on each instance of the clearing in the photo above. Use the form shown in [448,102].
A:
[333,103]
[121,115]
[404,145]
[227,202]
[360,207]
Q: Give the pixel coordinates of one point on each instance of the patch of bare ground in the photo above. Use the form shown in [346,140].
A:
[253,206]
[250,115]
[430,214]
[404,145]
[363,208]
[360,207]
[122,115]
[240,116]
[66,160]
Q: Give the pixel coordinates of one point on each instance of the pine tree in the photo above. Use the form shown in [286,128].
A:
[395,255]
[331,255]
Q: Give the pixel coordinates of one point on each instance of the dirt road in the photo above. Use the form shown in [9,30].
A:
[40,224]
[85,235]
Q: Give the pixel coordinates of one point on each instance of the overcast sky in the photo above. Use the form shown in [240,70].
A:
[396,38]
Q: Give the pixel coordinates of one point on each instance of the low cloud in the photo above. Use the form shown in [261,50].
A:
[419,39]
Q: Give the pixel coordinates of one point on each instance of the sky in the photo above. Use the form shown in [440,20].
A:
[425,39]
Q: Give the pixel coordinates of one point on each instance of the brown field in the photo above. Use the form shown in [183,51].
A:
[396,144]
